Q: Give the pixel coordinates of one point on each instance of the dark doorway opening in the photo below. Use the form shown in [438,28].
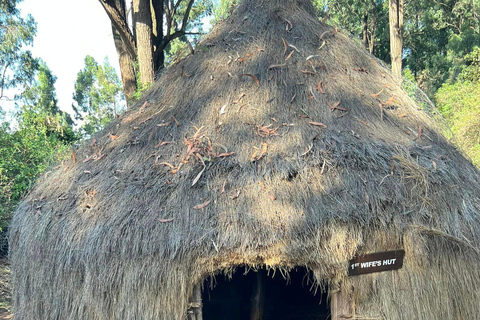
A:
[236,298]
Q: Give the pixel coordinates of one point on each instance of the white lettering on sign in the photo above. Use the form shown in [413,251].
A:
[389,262]
[371,264]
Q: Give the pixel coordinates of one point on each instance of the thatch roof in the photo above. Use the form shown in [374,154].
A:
[279,143]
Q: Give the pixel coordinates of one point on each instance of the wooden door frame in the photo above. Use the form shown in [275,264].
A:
[342,305]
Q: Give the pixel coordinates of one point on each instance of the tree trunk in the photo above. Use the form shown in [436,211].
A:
[365,28]
[114,11]
[258,299]
[158,12]
[395,14]
[124,44]
[126,61]
[127,66]
[144,34]
[373,26]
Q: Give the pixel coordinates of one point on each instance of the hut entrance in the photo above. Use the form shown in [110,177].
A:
[262,295]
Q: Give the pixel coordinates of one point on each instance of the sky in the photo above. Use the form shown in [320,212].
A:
[67,31]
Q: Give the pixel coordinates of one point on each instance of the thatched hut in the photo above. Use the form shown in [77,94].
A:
[279,146]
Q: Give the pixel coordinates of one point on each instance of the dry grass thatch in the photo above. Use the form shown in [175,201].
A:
[279,143]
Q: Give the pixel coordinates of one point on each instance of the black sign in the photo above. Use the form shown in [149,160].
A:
[376,262]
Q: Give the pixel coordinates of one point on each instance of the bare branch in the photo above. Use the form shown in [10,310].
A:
[170,15]
[352,10]
[119,22]
[187,15]
[3,80]
[176,5]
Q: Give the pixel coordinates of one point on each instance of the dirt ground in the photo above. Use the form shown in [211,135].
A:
[5,291]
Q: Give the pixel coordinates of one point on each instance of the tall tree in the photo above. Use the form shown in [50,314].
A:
[17,65]
[156,23]
[395,16]
[97,95]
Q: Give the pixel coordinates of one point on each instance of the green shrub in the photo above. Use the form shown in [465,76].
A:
[459,103]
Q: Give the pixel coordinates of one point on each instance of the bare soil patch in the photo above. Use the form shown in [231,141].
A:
[5,291]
